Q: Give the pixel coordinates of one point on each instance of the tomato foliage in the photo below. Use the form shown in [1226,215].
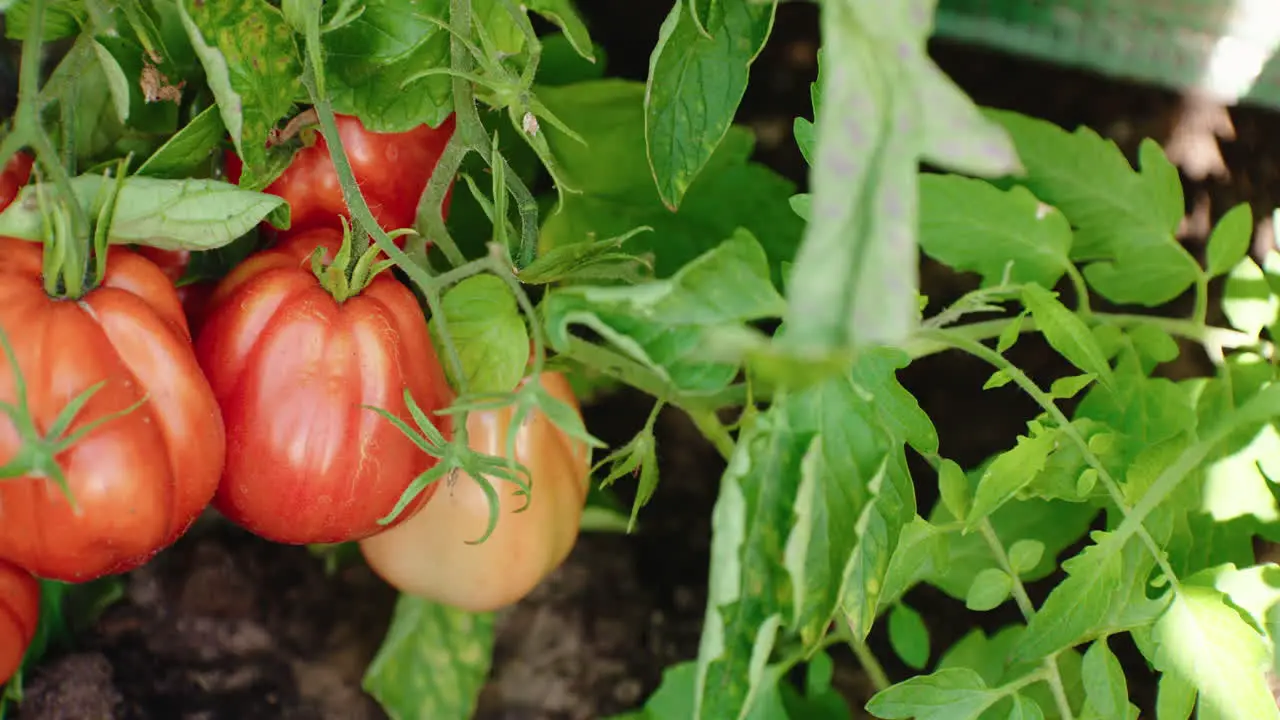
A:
[618,233]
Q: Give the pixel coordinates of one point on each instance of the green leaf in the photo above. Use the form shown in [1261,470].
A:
[920,553]
[820,700]
[989,590]
[117,83]
[880,527]
[191,147]
[488,332]
[1024,708]
[563,15]
[1011,471]
[1077,605]
[1229,241]
[1248,300]
[673,700]
[884,107]
[973,226]
[875,372]
[1202,639]
[952,694]
[1056,524]
[619,193]
[909,636]
[1025,555]
[167,214]
[61,20]
[697,77]
[748,598]
[369,61]
[251,61]
[603,259]
[1124,220]
[1067,333]
[839,476]
[432,663]
[954,489]
[666,324]
[1104,680]
[1175,697]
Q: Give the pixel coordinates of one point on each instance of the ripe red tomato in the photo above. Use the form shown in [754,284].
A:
[392,170]
[429,555]
[193,296]
[291,368]
[139,480]
[19,614]
[15,174]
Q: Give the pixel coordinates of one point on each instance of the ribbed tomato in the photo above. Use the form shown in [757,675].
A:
[19,615]
[139,480]
[193,296]
[392,170]
[292,368]
[429,555]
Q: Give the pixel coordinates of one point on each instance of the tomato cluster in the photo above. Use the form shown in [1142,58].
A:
[149,398]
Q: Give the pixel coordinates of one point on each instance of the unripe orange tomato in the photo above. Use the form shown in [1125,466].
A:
[429,555]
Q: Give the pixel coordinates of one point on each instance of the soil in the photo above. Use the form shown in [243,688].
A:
[224,625]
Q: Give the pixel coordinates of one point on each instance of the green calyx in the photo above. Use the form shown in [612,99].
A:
[37,455]
[350,272]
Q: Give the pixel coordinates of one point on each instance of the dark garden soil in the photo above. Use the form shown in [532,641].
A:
[225,626]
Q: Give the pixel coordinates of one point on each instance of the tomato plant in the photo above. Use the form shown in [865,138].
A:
[19,614]
[138,480]
[293,368]
[392,170]
[431,555]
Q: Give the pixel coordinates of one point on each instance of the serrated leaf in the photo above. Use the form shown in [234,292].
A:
[880,526]
[1010,472]
[838,484]
[488,332]
[989,590]
[1077,605]
[1104,680]
[909,636]
[168,214]
[665,324]
[603,259]
[1124,220]
[875,372]
[920,552]
[1204,640]
[746,604]
[697,77]
[1067,333]
[432,663]
[252,64]
[1229,241]
[619,192]
[952,694]
[370,62]
[973,226]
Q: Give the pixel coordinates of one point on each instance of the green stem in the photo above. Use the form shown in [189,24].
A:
[871,665]
[1082,290]
[712,429]
[1046,403]
[1028,610]
[1200,312]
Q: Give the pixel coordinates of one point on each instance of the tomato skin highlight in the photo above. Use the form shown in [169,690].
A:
[291,369]
[140,480]
[428,554]
[392,170]
[19,616]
